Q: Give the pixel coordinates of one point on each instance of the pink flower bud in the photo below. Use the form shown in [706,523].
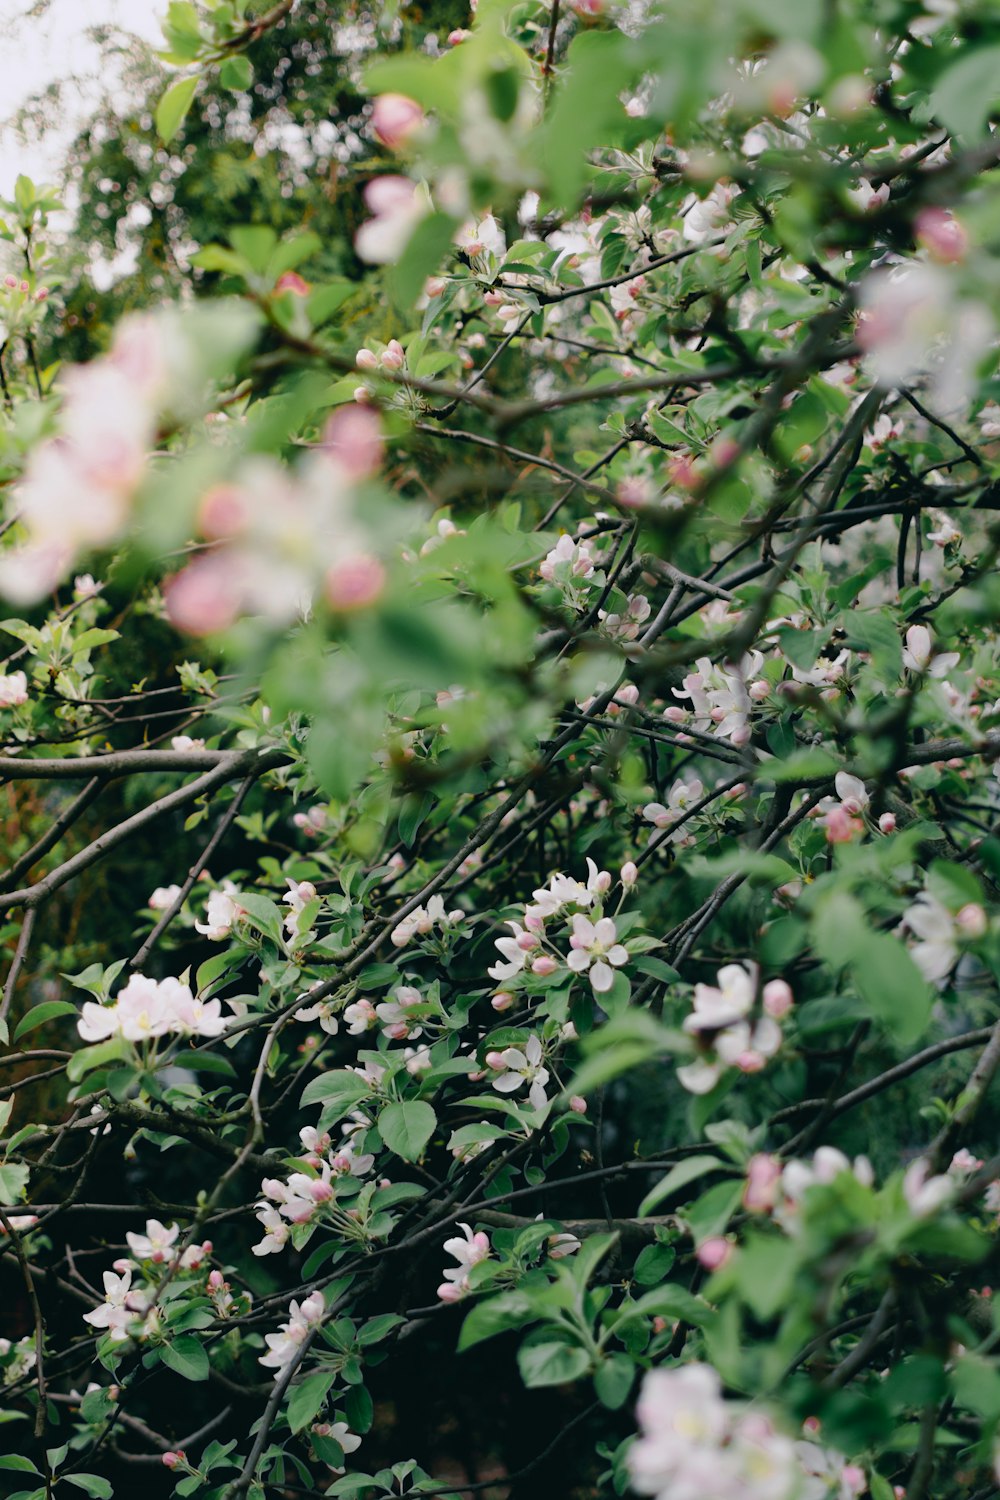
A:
[713,1253]
[633,492]
[10,282]
[751,1061]
[840,825]
[763,1176]
[365,359]
[759,690]
[25,287]
[495,1061]
[675,714]
[394,357]
[291,281]
[354,583]
[362,395]
[578,1104]
[682,471]
[493,299]
[629,874]
[434,286]
[941,235]
[216,1281]
[42,294]
[205,597]
[602,884]
[354,440]
[458,36]
[503,1000]
[887,823]
[527,941]
[223,512]
[778,998]
[852,1479]
[971,921]
[544,965]
[725,451]
[395,118]
[171,1459]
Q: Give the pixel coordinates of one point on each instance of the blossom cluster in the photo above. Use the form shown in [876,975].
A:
[693,1442]
[146,1009]
[594,948]
[310,1196]
[129,1309]
[728,1032]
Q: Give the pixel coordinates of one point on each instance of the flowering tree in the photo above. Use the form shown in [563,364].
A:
[537,703]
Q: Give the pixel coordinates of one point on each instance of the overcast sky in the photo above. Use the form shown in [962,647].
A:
[42,41]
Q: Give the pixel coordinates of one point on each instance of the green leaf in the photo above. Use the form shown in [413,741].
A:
[678,1177]
[710,1213]
[883,972]
[551,1364]
[427,246]
[613,1381]
[654,1263]
[339,1091]
[13,1181]
[236,73]
[39,1014]
[587,109]
[497,1315]
[407,1127]
[263,914]
[89,1058]
[967,92]
[674,1302]
[186,1356]
[17,1463]
[877,634]
[255,242]
[219,258]
[91,1484]
[173,107]
[307,1398]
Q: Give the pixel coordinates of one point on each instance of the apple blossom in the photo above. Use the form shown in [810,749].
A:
[595,951]
[468,1252]
[396,207]
[13,690]
[283,1347]
[524,1067]
[395,118]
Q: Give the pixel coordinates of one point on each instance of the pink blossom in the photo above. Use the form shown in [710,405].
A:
[354,583]
[713,1253]
[763,1176]
[395,118]
[291,281]
[13,690]
[205,597]
[353,437]
[941,235]
[777,998]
